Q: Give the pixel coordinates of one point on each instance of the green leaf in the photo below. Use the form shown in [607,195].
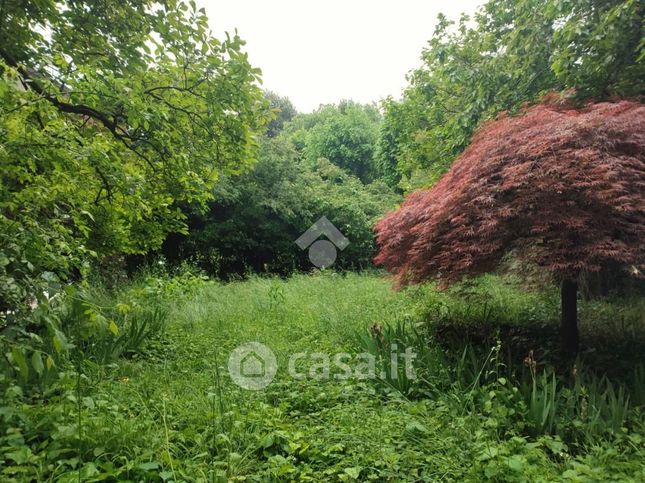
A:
[19,358]
[58,343]
[353,472]
[415,427]
[488,453]
[37,363]
[113,328]
[151,465]
[21,455]
[516,463]
[88,214]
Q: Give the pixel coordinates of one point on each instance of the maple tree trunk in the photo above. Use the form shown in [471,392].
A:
[569,317]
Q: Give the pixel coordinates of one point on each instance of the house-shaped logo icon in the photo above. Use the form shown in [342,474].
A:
[252,365]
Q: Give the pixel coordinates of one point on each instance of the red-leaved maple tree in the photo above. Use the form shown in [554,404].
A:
[563,188]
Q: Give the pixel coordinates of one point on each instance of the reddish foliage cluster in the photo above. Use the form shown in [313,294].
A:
[562,187]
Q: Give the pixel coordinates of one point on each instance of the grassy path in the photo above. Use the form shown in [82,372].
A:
[176,415]
[184,424]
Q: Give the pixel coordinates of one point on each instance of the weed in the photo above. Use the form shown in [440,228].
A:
[161,409]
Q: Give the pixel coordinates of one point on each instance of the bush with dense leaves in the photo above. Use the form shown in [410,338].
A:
[109,117]
[253,225]
[509,53]
[345,134]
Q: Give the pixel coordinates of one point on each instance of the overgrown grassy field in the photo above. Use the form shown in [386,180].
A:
[476,411]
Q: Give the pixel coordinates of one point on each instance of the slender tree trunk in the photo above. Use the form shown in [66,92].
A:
[569,317]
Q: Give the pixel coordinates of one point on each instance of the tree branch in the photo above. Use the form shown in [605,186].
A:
[80,109]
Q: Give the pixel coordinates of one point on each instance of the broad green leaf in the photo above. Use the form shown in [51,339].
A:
[113,328]
[37,363]
[19,358]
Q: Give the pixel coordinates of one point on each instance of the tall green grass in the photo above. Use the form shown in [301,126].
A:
[166,409]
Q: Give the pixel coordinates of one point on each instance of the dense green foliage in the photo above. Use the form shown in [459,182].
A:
[310,165]
[510,53]
[110,116]
[256,217]
[345,134]
[128,133]
[284,112]
[475,415]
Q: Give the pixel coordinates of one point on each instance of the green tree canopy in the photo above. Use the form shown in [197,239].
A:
[511,52]
[255,218]
[110,114]
[284,112]
[345,134]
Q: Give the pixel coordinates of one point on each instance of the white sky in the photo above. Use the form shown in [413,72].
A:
[320,52]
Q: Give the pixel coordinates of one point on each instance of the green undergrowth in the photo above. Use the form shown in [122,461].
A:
[480,406]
